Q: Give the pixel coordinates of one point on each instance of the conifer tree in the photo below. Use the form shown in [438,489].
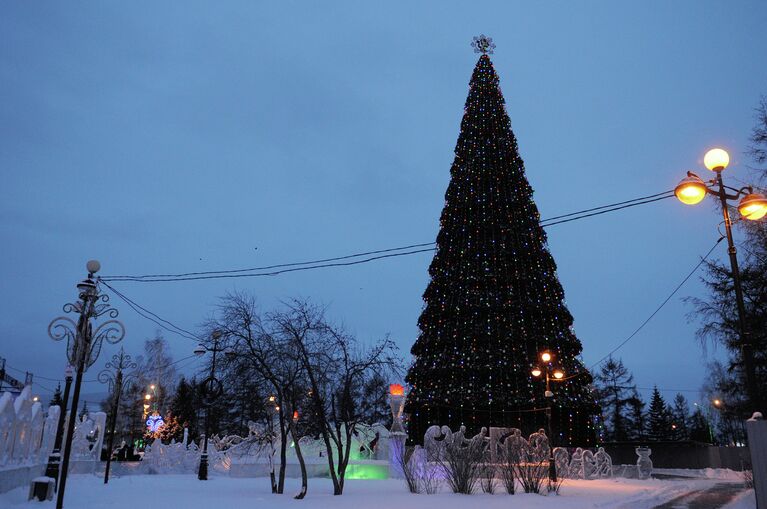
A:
[638,419]
[699,427]
[659,420]
[494,301]
[680,416]
[57,399]
[615,391]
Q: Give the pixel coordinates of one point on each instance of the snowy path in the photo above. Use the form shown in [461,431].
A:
[129,492]
[714,497]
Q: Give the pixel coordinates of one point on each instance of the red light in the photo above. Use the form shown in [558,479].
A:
[396,390]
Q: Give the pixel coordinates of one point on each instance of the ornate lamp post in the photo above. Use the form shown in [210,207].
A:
[54,460]
[554,374]
[212,389]
[83,346]
[690,191]
[114,376]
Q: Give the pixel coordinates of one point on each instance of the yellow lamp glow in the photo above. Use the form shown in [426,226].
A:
[753,206]
[147,396]
[717,402]
[690,190]
[545,356]
[716,159]
[536,372]
[559,375]
[151,386]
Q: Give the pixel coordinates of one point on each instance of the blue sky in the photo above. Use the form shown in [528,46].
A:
[192,136]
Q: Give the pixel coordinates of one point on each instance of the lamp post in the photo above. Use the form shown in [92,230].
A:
[753,206]
[211,389]
[54,460]
[551,374]
[83,346]
[116,379]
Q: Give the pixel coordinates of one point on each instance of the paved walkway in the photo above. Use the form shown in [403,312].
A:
[711,498]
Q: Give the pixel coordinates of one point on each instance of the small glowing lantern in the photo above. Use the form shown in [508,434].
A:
[147,397]
[753,206]
[396,390]
[716,159]
[536,372]
[545,356]
[559,375]
[691,190]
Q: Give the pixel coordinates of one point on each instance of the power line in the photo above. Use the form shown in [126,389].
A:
[665,301]
[381,253]
[153,317]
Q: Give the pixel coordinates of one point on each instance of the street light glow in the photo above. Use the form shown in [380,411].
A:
[716,159]
[545,356]
[559,375]
[536,372]
[147,397]
[753,206]
[691,190]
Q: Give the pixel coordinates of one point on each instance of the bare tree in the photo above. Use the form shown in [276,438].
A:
[337,369]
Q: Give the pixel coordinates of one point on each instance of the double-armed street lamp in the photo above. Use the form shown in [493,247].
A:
[83,347]
[211,389]
[752,206]
[550,373]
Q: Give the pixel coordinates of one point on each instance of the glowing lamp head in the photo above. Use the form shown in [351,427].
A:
[152,386]
[753,206]
[545,356]
[536,372]
[271,399]
[277,409]
[716,159]
[396,390]
[559,374]
[147,397]
[717,402]
[690,190]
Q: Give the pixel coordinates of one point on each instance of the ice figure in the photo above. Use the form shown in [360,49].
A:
[644,463]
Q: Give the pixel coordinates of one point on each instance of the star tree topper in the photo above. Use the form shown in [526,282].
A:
[483,44]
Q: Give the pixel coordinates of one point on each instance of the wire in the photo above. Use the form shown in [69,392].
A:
[326,262]
[35,377]
[274,273]
[665,301]
[141,310]
[611,205]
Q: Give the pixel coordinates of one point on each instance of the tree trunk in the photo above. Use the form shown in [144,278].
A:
[283,457]
[301,462]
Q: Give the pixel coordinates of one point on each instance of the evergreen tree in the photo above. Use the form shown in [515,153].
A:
[699,427]
[638,419]
[494,301]
[615,390]
[57,399]
[185,406]
[680,417]
[659,420]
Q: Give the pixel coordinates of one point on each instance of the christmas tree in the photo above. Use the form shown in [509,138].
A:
[494,302]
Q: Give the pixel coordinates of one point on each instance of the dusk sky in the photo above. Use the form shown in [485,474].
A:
[164,138]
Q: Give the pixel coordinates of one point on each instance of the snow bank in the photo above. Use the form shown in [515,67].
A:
[89,492]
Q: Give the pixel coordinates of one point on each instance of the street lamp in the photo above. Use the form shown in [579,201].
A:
[551,374]
[113,375]
[83,346]
[211,389]
[690,191]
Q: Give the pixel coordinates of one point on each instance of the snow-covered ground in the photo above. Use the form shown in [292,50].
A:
[129,492]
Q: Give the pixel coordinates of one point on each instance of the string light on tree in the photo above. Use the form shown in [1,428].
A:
[494,300]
